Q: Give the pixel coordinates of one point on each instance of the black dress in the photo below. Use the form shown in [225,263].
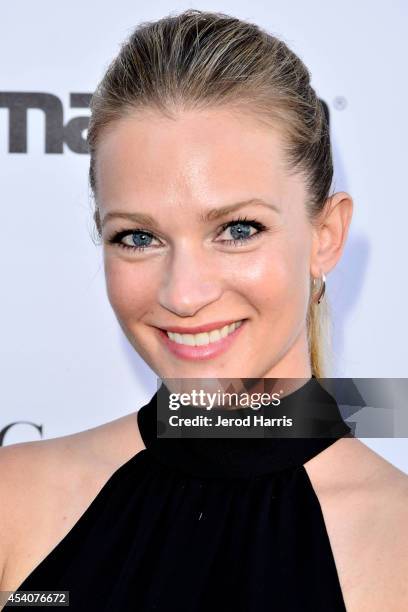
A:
[194,525]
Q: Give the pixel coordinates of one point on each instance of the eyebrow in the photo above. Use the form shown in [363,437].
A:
[203,217]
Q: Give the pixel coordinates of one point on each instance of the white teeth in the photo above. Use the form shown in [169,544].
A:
[205,337]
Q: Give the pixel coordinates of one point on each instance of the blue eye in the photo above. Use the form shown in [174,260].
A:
[140,239]
[240,230]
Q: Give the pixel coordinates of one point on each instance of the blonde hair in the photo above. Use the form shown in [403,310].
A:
[197,59]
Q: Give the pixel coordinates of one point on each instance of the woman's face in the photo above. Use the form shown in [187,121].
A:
[180,266]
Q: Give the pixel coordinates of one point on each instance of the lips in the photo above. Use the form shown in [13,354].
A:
[200,328]
[205,350]
[203,337]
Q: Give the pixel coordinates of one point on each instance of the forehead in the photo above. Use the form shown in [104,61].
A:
[199,157]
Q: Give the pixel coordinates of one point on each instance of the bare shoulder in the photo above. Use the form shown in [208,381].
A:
[29,466]
[364,500]
[46,485]
[350,476]
[349,465]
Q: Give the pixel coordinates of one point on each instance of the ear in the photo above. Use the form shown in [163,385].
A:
[330,231]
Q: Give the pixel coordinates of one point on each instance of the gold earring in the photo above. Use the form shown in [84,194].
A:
[322,288]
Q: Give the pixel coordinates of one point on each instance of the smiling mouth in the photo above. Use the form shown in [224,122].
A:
[204,338]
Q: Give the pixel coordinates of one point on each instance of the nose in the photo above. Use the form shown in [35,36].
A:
[190,282]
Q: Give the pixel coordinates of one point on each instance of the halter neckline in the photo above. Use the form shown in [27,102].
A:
[314,414]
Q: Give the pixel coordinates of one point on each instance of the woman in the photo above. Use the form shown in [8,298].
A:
[211,170]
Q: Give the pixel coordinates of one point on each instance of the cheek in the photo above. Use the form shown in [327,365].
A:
[130,290]
[275,280]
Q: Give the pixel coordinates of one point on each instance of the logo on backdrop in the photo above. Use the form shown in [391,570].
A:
[72,133]
[57,133]
[7,428]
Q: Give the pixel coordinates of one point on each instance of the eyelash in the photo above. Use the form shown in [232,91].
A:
[260,227]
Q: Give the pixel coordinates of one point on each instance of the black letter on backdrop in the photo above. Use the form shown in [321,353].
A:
[56,133]
[5,429]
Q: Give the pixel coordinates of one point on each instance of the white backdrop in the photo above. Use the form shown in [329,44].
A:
[65,363]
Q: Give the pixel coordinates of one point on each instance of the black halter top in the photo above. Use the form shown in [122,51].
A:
[198,524]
